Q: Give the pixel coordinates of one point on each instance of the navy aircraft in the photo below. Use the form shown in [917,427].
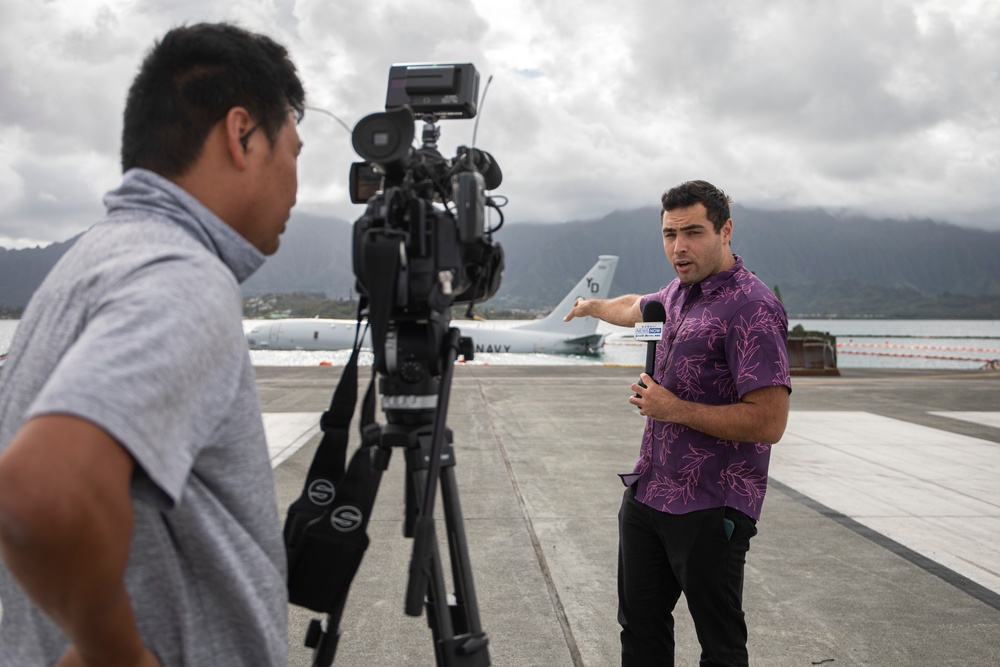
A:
[549,335]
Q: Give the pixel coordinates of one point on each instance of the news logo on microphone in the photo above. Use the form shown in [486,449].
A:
[647,331]
[654,316]
[650,330]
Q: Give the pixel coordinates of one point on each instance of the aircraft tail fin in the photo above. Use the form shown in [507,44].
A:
[595,285]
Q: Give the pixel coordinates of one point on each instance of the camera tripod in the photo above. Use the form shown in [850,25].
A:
[416,424]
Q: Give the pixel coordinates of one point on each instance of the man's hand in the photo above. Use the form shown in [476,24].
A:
[760,416]
[580,309]
[621,311]
[655,401]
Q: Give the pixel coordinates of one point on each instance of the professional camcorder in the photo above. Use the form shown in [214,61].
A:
[427,209]
[421,246]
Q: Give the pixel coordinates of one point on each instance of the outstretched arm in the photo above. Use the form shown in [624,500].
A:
[622,311]
[65,531]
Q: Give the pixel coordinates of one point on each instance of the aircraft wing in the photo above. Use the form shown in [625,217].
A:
[591,343]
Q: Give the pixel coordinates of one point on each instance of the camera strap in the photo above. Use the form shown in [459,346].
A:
[325,529]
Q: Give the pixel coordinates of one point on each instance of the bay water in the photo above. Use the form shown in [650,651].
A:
[861,343]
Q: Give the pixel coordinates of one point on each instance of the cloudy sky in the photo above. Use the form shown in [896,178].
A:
[891,107]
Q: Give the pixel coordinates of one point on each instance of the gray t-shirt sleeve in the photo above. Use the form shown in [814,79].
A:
[156,366]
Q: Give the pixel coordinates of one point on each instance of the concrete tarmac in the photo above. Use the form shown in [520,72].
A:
[877,543]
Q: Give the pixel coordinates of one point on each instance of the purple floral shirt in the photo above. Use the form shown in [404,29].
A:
[722,338]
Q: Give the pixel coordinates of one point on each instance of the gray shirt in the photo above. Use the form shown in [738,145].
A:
[138,329]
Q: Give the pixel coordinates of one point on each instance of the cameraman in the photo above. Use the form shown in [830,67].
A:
[138,518]
[717,400]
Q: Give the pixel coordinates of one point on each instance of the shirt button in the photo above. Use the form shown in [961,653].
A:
[646,459]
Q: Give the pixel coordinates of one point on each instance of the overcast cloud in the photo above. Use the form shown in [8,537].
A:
[891,107]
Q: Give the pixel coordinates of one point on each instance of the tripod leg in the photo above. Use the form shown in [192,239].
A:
[426,589]
[430,460]
[458,636]
[323,642]
[432,452]
[465,592]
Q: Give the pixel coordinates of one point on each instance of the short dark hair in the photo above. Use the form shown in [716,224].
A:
[190,80]
[689,193]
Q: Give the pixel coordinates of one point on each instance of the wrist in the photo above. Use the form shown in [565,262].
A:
[108,636]
[74,658]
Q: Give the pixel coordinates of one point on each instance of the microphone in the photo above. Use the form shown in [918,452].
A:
[650,330]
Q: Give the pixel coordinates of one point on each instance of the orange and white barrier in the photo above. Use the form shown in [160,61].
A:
[988,363]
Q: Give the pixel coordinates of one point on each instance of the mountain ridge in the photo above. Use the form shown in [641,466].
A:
[823,264]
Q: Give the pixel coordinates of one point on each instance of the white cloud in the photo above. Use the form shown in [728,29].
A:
[892,108]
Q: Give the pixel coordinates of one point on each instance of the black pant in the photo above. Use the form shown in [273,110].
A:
[661,555]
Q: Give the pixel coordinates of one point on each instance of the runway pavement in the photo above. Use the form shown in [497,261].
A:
[877,544]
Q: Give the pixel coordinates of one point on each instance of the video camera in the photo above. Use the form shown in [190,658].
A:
[422,245]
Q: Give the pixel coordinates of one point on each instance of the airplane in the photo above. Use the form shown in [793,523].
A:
[549,335]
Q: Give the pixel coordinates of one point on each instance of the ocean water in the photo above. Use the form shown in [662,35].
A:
[943,344]
[863,343]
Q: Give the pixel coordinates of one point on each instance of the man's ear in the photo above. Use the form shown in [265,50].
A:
[237,124]
[727,230]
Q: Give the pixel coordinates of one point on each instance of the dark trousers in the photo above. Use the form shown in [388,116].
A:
[662,555]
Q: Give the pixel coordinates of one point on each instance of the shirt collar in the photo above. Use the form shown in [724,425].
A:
[717,280]
[147,191]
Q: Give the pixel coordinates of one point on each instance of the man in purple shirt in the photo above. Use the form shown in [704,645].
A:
[716,402]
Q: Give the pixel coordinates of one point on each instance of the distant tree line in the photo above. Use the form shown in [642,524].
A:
[298,304]
[839,300]
[315,304]
[845,300]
